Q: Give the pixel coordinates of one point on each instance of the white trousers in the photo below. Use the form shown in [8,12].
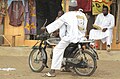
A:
[103,36]
[108,40]
[58,53]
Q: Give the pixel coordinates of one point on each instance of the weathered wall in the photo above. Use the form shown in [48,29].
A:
[9,31]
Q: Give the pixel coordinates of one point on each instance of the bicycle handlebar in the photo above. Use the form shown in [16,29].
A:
[43,36]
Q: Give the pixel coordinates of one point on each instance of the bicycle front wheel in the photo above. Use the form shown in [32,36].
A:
[36,61]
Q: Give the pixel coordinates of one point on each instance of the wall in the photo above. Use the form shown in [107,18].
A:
[114,45]
[9,31]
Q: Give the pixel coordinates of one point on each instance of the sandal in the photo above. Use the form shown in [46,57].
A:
[49,75]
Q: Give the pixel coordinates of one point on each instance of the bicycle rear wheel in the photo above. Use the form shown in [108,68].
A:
[88,63]
[36,61]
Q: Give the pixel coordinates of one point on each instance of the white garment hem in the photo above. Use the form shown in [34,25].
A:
[56,68]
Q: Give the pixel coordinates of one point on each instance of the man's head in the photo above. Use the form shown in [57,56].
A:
[72,5]
[105,10]
[60,13]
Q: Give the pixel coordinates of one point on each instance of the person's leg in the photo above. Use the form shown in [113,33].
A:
[58,53]
[109,41]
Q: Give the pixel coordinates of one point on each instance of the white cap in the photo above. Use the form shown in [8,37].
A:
[73,3]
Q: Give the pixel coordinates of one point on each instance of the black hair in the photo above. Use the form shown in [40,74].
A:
[62,11]
[105,7]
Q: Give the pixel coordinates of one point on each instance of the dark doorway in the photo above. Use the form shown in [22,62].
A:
[46,9]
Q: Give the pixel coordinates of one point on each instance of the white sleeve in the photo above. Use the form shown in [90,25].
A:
[56,24]
[112,22]
[97,20]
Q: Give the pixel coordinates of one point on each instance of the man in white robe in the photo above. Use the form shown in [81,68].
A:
[103,28]
[75,22]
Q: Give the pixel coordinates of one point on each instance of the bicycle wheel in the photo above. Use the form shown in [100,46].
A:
[36,61]
[87,65]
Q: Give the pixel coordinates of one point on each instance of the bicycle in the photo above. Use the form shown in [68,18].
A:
[76,57]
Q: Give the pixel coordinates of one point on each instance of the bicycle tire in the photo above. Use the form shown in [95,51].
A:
[41,66]
[94,61]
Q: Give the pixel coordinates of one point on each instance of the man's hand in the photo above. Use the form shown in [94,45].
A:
[56,33]
[43,29]
[104,29]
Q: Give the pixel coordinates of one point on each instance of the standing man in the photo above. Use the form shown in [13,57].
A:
[103,28]
[76,23]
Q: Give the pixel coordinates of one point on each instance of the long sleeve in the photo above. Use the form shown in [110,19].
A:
[98,24]
[97,20]
[56,24]
[112,22]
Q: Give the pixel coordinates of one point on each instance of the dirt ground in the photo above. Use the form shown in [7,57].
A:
[108,67]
